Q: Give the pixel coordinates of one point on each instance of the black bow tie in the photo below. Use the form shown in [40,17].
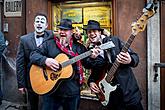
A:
[38,36]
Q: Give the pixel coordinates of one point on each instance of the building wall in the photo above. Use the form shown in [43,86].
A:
[162,55]
[33,7]
[127,12]
[15,28]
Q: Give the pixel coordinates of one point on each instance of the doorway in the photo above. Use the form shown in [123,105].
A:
[80,12]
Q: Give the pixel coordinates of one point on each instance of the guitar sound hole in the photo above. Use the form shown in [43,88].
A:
[53,76]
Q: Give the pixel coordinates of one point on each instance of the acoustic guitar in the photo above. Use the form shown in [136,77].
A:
[44,80]
[105,84]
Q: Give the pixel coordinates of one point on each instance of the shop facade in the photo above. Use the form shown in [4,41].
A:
[114,15]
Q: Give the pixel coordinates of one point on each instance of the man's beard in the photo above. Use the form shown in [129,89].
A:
[64,41]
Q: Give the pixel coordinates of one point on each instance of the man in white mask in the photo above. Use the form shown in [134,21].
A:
[27,44]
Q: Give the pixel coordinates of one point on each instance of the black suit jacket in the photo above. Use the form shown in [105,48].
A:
[124,75]
[27,44]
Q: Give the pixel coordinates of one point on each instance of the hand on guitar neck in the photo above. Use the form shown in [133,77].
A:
[124,58]
[95,52]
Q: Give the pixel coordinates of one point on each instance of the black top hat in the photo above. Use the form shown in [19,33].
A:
[92,24]
[65,24]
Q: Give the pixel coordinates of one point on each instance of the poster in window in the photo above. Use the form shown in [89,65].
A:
[75,14]
[100,14]
[56,17]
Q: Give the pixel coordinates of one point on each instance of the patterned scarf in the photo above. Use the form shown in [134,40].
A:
[71,53]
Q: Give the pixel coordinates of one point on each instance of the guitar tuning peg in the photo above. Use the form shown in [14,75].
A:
[133,24]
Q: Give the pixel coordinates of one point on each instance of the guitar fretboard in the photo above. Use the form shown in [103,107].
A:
[86,54]
[116,64]
[75,59]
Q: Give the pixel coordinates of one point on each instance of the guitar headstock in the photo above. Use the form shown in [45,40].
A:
[141,23]
[107,45]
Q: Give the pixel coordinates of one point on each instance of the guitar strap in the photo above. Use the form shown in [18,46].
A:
[108,55]
[71,53]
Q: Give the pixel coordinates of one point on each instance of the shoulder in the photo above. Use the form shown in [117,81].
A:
[49,32]
[112,38]
[26,37]
[79,44]
[1,34]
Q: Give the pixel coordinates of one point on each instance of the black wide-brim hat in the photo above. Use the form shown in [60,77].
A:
[65,24]
[93,25]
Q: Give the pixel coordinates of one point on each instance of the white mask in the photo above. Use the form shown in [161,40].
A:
[40,24]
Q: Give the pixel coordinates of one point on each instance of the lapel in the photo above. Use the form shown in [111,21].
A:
[47,35]
[33,41]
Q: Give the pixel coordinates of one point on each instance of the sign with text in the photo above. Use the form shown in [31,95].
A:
[75,14]
[100,14]
[12,8]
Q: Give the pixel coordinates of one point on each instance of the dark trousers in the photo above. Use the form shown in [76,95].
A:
[33,99]
[54,102]
[1,95]
[116,102]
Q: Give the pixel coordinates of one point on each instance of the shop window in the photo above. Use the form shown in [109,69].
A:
[80,13]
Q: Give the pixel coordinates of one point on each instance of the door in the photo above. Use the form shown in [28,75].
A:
[162,54]
[0,15]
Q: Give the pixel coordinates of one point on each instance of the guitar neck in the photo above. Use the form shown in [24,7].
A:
[86,54]
[116,64]
[75,59]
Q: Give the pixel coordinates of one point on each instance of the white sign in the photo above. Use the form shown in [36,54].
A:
[12,8]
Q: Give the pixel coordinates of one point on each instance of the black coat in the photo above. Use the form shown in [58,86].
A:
[27,44]
[2,43]
[124,75]
[49,49]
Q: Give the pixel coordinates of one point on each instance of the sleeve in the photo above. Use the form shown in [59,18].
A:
[96,68]
[2,43]
[134,55]
[20,65]
[89,62]
[37,57]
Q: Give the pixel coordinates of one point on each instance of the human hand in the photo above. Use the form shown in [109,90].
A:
[124,58]
[52,63]
[77,34]
[22,90]
[95,52]
[94,88]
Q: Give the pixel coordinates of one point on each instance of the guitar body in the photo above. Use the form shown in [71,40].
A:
[46,81]
[106,88]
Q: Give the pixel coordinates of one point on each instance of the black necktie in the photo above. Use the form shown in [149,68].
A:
[38,36]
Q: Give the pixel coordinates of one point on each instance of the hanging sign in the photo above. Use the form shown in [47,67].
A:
[12,8]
